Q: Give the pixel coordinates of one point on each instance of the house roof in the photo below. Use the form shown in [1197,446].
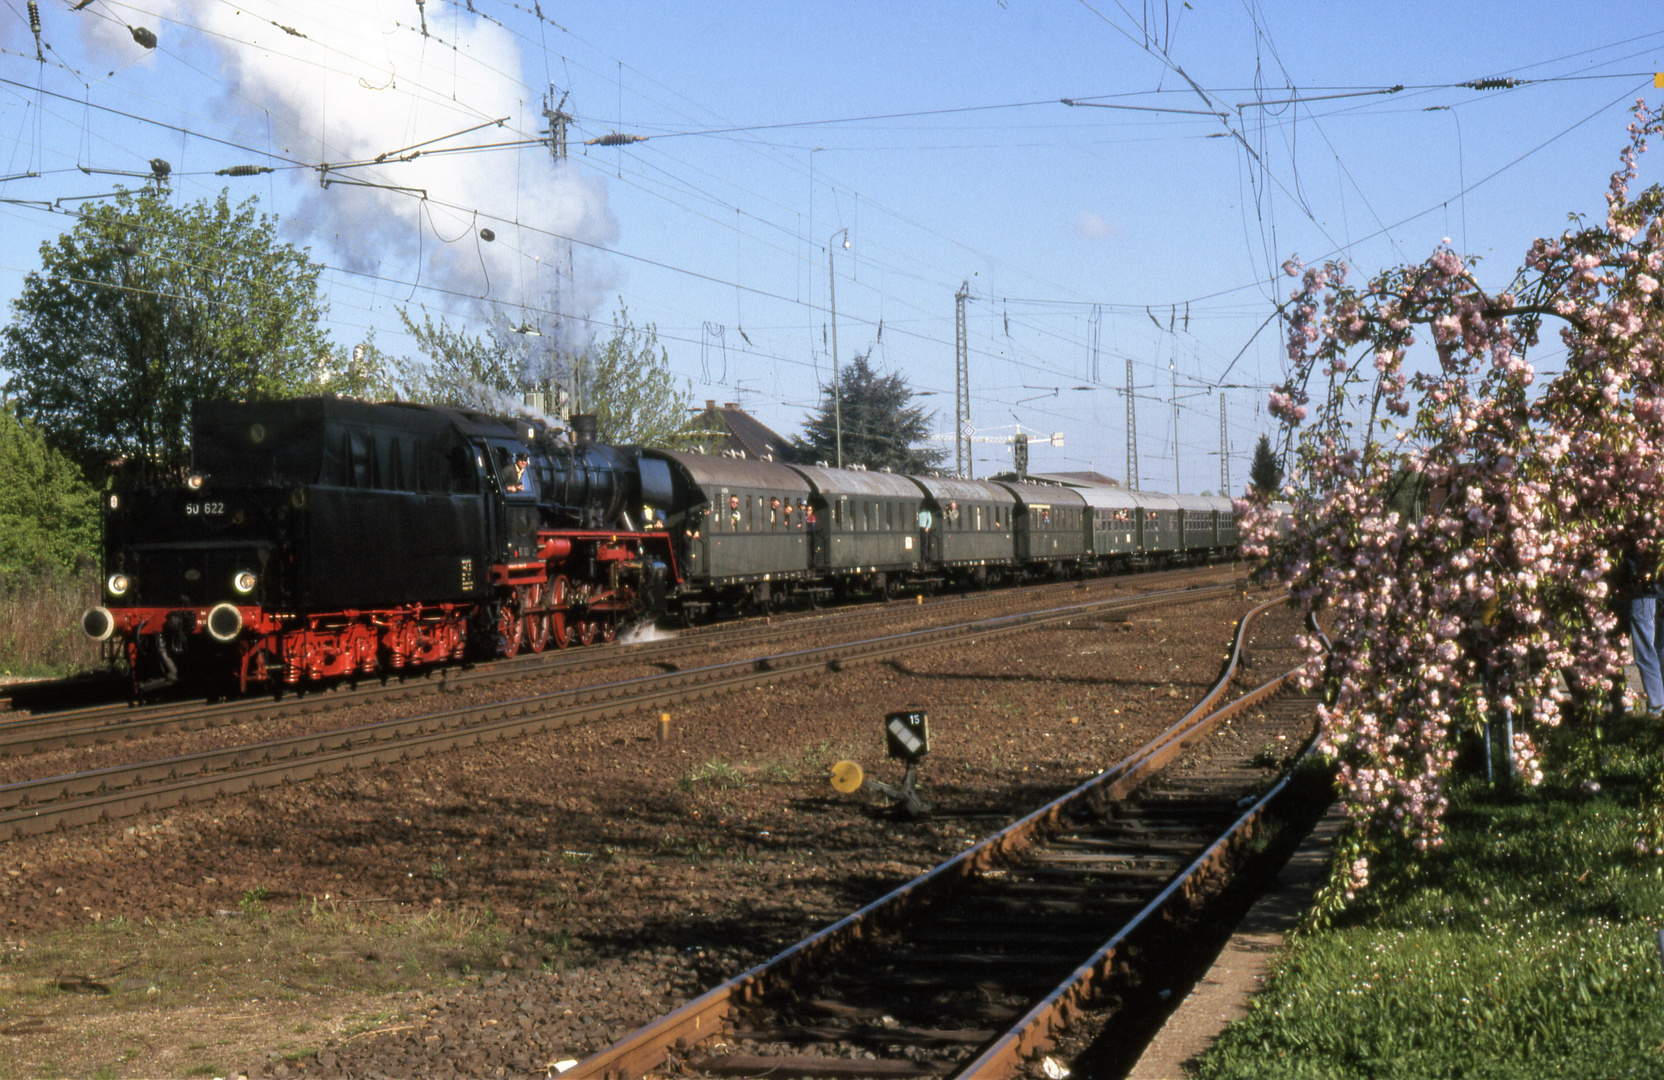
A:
[745,432]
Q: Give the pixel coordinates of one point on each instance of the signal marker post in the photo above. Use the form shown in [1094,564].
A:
[906,738]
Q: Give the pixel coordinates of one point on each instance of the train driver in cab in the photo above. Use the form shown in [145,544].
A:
[514,477]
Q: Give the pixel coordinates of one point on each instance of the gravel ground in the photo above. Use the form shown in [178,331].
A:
[494,911]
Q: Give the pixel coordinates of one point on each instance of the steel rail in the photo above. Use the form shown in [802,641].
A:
[647,1048]
[107,723]
[29,807]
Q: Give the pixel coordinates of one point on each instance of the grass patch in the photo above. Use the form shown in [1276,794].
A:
[40,625]
[1525,947]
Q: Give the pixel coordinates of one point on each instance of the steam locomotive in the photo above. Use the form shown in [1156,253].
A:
[322,538]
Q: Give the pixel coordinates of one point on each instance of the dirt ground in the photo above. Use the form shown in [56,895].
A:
[496,911]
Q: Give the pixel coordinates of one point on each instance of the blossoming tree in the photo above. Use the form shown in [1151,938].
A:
[1457,523]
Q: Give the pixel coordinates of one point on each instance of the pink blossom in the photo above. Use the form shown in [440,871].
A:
[1476,598]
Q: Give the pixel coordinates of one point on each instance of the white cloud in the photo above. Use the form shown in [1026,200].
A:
[1090,225]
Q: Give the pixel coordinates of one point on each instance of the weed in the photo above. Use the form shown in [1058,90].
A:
[369,1022]
[438,871]
[106,1072]
[197,1046]
[715,774]
[1268,757]
[253,901]
[203,1070]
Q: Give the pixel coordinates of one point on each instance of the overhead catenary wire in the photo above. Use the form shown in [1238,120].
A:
[905,267]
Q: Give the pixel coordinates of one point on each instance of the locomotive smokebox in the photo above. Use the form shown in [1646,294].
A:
[583,428]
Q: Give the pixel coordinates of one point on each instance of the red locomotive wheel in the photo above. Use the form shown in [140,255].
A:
[559,629]
[609,630]
[535,632]
[586,632]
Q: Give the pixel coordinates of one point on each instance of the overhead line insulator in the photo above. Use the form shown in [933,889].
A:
[615,138]
[1505,83]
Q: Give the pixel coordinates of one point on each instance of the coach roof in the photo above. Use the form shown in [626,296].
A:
[832,482]
[709,471]
[946,489]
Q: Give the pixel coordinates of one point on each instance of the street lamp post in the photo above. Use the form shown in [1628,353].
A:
[837,390]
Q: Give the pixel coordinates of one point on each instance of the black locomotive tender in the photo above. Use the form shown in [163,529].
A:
[326,537]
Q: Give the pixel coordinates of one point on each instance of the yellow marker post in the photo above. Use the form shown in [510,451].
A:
[847,777]
[664,727]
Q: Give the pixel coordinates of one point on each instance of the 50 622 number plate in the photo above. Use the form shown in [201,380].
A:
[199,509]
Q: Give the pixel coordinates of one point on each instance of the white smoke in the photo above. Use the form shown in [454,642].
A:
[365,81]
[644,632]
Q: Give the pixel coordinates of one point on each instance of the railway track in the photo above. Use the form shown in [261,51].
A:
[972,968]
[36,806]
[25,734]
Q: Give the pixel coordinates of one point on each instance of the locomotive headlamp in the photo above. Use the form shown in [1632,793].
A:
[118,584]
[194,481]
[115,502]
[245,581]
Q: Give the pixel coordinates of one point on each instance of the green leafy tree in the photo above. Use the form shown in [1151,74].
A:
[362,371]
[627,383]
[472,371]
[148,306]
[48,513]
[624,381]
[881,428]
[1263,474]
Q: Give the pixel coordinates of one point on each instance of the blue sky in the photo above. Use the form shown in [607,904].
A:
[1168,224]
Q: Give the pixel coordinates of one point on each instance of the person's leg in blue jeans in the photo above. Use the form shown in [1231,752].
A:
[1644,635]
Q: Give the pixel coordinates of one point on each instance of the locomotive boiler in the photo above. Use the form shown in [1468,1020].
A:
[325,537]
